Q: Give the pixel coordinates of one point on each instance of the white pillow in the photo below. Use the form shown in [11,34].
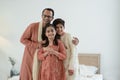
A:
[86,70]
[14,78]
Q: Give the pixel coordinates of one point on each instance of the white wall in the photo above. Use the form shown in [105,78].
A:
[94,22]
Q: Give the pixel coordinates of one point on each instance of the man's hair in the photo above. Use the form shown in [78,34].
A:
[49,9]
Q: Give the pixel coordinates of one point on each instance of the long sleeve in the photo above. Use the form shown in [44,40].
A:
[41,54]
[62,51]
[71,52]
[29,36]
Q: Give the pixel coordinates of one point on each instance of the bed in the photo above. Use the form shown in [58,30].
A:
[89,66]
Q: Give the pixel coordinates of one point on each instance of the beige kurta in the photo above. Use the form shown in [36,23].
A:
[70,60]
[30,40]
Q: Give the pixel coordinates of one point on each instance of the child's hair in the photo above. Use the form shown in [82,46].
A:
[44,37]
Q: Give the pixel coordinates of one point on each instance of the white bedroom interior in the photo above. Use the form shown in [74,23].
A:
[95,22]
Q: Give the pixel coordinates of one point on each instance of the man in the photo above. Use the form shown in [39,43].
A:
[31,38]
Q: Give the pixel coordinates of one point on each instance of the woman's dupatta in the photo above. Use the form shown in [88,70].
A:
[36,62]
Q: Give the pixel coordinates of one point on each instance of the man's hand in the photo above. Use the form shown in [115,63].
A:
[40,44]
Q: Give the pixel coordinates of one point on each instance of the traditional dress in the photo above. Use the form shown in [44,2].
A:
[52,66]
[30,40]
[70,61]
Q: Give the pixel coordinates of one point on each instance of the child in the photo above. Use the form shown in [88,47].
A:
[70,61]
[51,56]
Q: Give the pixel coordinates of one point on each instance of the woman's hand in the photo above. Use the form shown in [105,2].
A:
[71,72]
[75,41]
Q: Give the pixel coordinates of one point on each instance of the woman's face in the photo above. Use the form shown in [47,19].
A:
[59,29]
[50,32]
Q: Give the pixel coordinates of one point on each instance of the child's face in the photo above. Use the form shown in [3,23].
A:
[59,29]
[50,32]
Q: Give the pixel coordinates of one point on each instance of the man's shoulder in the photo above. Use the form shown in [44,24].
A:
[34,23]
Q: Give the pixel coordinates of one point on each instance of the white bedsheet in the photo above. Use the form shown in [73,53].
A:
[93,77]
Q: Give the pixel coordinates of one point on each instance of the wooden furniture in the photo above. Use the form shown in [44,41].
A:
[90,59]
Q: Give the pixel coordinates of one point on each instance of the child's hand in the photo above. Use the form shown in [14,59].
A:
[46,54]
[52,51]
[71,72]
[49,49]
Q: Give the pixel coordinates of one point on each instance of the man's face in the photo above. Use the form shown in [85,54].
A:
[47,16]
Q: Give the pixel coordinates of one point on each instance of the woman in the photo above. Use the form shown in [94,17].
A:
[70,61]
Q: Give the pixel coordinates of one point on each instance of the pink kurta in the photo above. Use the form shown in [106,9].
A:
[30,40]
[52,67]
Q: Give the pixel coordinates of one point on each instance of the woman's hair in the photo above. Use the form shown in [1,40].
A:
[44,37]
[58,21]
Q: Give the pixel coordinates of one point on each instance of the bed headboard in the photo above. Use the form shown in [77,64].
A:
[90,59]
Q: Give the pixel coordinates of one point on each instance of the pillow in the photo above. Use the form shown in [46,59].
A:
[14,78]
[86,70]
